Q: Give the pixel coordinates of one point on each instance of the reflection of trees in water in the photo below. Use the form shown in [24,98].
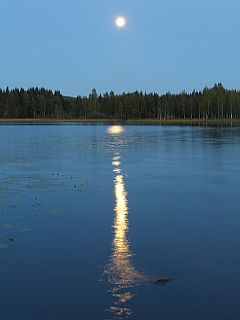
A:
[163,138]
[218,136]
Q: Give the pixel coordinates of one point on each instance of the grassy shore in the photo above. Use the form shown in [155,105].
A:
[131,121]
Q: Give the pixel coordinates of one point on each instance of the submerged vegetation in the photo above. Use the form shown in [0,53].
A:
[39,103]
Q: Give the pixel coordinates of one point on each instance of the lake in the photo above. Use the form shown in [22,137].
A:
[91,216]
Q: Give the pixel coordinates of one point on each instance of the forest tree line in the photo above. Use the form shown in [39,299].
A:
[210,103]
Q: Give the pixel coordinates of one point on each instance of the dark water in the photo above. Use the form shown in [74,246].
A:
[91,216]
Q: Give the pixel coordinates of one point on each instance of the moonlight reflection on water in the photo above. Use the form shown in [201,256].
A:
[121,272]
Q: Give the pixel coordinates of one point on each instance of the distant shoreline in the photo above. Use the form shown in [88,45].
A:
[130,121]
[40,104]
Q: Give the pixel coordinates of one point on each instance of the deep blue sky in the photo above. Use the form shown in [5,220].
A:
[73,45]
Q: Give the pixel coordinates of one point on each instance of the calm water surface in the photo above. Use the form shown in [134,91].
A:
[92,215]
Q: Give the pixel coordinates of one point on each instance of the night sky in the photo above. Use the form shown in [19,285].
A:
[74,45]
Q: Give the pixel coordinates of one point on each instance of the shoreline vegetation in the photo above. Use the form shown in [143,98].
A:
[211,105]
[224,122]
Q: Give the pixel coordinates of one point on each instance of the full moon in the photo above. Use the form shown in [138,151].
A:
[120,22]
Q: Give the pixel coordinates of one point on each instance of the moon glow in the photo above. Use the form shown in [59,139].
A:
[120,22]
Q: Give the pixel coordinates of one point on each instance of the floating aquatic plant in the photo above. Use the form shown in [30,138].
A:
[37,205]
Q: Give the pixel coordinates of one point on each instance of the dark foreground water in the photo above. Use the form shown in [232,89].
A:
[92,215]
